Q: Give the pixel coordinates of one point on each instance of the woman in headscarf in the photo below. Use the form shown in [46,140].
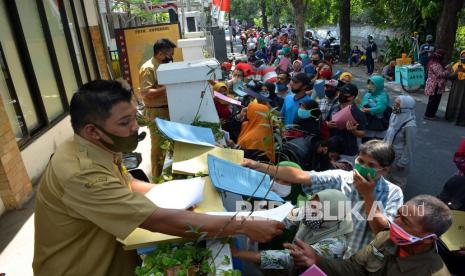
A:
[456,104]
[436,82]
[401,135]
[223,108]
[268,90]
[296,68]
[308,117]
[327,235]
[256,137]
[346,77]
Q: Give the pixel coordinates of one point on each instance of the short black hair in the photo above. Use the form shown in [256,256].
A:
[163,45]
[92,103]
[334,144]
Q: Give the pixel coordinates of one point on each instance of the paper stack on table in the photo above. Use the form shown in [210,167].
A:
[278,213]
[186,133]
[240,180]
[454,238]
[177,194]
[192,159]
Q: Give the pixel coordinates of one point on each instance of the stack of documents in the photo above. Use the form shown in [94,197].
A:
[240,180]
[192,159]
[278,213]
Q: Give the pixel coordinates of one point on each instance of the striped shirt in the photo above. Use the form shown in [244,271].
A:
[387,194]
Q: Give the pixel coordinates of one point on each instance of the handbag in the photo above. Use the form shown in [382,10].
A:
[381,123]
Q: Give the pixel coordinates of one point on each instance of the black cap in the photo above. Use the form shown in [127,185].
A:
[349,89]
[302,78]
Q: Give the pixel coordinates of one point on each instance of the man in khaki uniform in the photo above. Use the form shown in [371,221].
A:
[406,248]
[86,198]
[154,96]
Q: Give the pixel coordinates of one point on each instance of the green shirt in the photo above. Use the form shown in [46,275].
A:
[261,43]
[380,258]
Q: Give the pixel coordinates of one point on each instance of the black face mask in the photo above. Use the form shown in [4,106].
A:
[168,60]
[343,98]
[330,93]
[315,62]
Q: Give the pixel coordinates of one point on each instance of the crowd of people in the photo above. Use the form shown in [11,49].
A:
[339,140]
[322,141]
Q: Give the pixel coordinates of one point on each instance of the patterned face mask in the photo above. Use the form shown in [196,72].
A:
[311,219]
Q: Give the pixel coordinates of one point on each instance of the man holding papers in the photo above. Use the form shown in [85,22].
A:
[406,247]
[86,198]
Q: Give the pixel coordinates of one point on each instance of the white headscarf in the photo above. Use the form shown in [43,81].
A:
[407,114]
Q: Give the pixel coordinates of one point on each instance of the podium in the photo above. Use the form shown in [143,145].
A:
[184,83]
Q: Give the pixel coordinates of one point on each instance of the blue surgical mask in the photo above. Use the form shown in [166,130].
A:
[265,94]
[305,114]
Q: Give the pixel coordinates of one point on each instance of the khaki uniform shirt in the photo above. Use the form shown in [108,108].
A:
[83,204]
[380,258]
[148,79]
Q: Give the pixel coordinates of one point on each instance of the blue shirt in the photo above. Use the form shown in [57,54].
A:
[388,196]
[290,108]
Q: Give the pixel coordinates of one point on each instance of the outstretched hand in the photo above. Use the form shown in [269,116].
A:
[303,254]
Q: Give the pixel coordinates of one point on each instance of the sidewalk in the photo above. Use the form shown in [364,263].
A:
[17,240]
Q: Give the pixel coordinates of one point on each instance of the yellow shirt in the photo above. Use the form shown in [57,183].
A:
[148,79]
[83,203]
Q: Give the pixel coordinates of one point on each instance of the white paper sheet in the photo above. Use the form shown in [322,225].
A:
[177,194]
[278,213]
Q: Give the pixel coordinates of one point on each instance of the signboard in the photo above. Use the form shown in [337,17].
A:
[135,47]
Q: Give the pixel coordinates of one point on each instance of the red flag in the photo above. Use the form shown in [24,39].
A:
[224,6]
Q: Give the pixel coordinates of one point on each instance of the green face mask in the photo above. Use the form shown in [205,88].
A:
[120,144]
[365,171]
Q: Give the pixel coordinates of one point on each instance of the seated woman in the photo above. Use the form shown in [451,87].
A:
[256,137]
[327,236]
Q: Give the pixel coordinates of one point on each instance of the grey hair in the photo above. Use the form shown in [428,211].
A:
[380,151]
[437,217]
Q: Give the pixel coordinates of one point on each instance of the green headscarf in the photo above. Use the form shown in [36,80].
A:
[329,229]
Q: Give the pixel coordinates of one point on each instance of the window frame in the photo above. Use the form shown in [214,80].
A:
[13,17]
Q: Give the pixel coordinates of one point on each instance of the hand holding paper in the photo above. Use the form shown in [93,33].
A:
[177,194]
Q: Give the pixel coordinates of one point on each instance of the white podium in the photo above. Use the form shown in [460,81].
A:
[184,83]
[192,48]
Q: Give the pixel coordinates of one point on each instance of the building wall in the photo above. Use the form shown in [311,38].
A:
[37,155]
[37,82]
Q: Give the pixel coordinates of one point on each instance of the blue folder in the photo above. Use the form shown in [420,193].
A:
[186,133]
[240,180]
